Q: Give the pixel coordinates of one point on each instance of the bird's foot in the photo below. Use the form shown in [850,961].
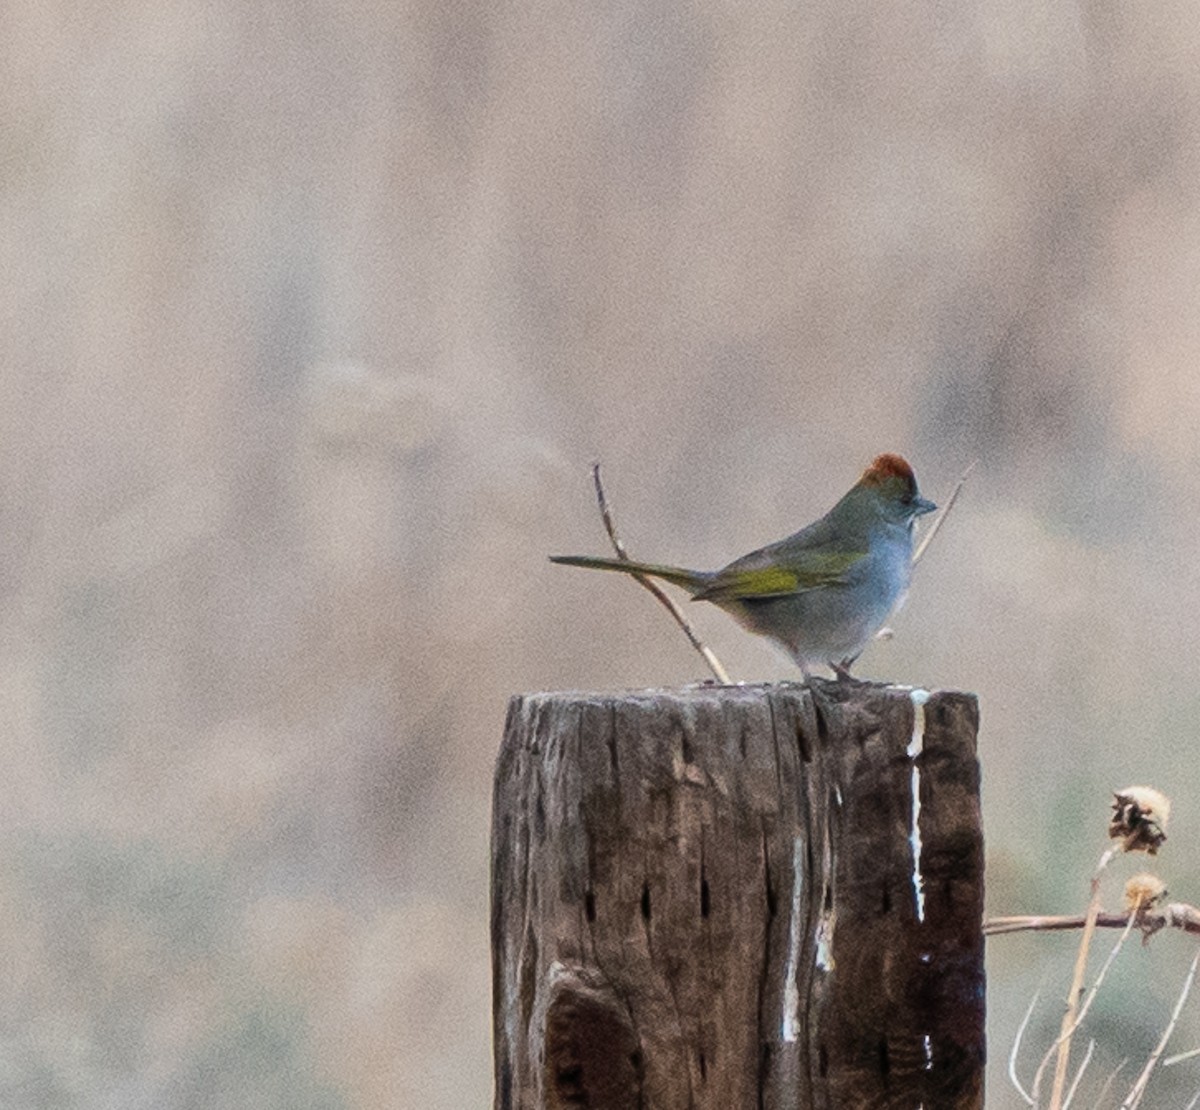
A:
[841,671]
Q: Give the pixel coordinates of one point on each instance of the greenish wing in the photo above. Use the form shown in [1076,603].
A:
[815,569]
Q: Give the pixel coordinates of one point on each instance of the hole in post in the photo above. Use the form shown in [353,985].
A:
[589,905]
[568,1084]
[885,1063]
[885,901]
[704,897]
[802,742]
[703,1065]
[590,1051]
[822,1061]
[646,901]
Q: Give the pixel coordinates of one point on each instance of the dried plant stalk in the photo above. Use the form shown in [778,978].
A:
[1069,1022]
[1134,1098]
[940,519]
[706,653]
[1083,1009]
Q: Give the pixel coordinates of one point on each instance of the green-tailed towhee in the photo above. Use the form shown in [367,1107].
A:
[822,593]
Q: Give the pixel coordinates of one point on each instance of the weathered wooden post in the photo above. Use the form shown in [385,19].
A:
[736,897]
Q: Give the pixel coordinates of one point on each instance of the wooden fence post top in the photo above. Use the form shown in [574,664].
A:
[824,692]
[727,896]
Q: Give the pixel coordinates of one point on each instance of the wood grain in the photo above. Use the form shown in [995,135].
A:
[716,898]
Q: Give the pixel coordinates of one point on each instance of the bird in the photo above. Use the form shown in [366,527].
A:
[823,592]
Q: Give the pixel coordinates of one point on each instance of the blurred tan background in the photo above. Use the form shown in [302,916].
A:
[316,315]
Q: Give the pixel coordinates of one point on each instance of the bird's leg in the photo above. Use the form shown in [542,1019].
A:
[841,670]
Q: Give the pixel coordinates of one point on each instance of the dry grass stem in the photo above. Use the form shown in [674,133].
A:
[1087,1059]
[1112,1078]
[1134,1098]
[714,664]
[940,519]
[1179,1057]
[1016,1047]
[1066,1034]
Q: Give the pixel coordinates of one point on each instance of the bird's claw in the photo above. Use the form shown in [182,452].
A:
[841,670]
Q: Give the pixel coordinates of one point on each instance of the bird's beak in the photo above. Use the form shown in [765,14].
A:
[921,506]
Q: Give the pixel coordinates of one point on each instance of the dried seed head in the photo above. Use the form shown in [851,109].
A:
[1144,892]
[1140,818]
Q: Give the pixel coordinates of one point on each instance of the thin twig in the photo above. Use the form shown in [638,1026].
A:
[1016,1047]
[1177,915]
[714,664]
[1134,1098]
[1087,1059]
[606,516]
[997,926]
[940,519]
[1073,996]
[1179,1057]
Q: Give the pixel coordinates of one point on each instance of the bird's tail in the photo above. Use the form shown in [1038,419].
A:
[691,580]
